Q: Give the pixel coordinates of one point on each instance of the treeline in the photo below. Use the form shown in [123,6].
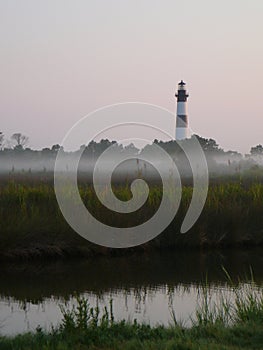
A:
[16,156]
[19,142]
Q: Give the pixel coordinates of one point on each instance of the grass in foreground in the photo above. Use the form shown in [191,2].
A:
[227,324]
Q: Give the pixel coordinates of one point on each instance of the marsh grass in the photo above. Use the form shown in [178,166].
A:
[241,303]
[225,323]
[32,224]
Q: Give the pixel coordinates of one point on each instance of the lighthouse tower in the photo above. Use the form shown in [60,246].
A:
[181,113]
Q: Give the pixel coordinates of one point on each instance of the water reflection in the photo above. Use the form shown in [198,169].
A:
[146,287]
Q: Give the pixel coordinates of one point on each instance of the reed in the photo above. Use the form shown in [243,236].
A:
[32,224]
[232,324]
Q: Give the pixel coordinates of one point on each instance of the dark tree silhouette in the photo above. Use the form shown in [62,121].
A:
[56,148]
[131,149]
[257,150]
[20,140]
[209,145]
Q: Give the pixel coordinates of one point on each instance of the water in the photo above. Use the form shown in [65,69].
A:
[146,287]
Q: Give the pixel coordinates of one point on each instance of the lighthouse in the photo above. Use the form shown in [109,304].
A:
[181,113]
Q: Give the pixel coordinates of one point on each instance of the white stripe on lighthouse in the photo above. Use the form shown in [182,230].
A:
[181,108]
[182,133]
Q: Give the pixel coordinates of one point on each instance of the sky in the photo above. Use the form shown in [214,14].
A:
[61,59]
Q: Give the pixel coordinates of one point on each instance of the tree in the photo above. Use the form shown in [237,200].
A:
[46,151]
[131,149]
[20,140]
[257,150]
[208,145]
[55,148]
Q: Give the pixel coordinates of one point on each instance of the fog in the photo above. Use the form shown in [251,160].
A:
[124,163]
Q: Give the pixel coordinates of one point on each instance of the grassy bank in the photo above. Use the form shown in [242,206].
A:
[234,323]
[32,225]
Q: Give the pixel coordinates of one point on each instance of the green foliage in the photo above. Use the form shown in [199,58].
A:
[243,305]
[82,316]
[31,223]
[82,327]
[248,305]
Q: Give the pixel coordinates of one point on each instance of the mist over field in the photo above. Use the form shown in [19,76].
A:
[20,160]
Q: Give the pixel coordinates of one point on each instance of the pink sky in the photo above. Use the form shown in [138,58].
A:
[62,59]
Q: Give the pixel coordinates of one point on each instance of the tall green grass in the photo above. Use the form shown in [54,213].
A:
[31,222]
[229,324]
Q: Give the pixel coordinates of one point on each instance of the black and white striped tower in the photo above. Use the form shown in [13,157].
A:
[181,113]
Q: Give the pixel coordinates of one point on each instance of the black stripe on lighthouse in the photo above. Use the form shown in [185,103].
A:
[182,121]
[181,96]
